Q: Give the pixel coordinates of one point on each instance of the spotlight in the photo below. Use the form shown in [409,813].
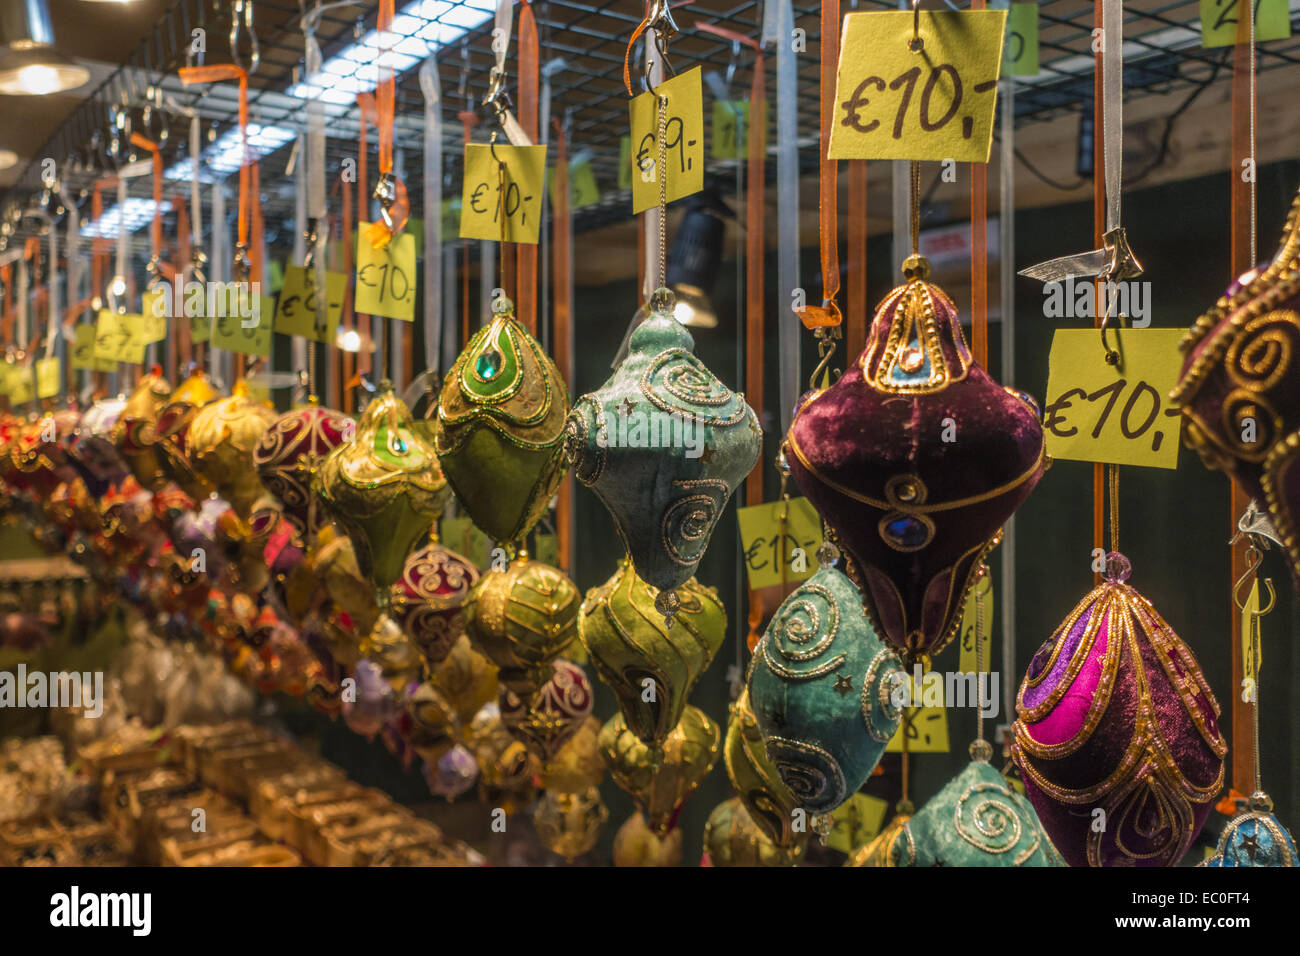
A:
[693,261]
[31,66]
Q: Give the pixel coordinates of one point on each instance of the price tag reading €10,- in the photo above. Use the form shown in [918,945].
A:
[1113,413]
[83,351]
[119,337]
[497,205]
[683,141]
[47,377]
[925,730]
[385,277]
[246,325]
[984,591]
[934,103]
[769,552]
[295,310]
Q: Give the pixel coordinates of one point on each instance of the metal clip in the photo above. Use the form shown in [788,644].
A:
[386,192]
[242,266]
[309,237]
[244,8]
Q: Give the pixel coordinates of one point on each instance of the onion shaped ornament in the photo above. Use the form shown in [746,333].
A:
[733,838]
[220,442]
[290,455]
[767,799]
[428,600]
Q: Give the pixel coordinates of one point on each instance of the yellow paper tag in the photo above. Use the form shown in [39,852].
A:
[984,591]
[1219,21]
[934,104]
[295,310]
[926,729]
[625,162]
[1022,42]
[119,337]
[856,821]
[385,277]
[83,351]
[583,189]
[770,549]
[246,325]
[683,141]
[153,310]
[200,329]
[22,385]
[1250,654]
[731,129]
[1113,413]
[464,537]
[493,206]
[47,377]
[450,218]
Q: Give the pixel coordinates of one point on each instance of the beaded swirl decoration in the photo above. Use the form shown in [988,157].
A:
[1254,838]
[290,455]
[663,444]
[553,715]
[429,598]
[500,428]
[1239,390]
[660,781]
[916,457]
[821,686]
[385,488]
[629,642]
[1114,715]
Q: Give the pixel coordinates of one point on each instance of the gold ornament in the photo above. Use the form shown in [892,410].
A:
[171,434]
[393,652]
[220,443]
[134,434]
[385,488]
[662,780]
[880,850]
[579,764]
[767,799]
[522,618]
[503,762]
[731,838]
[630,643]
[466,679]
[570,823]
[636,845]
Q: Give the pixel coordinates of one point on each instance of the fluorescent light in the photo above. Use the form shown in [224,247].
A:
[130,215]
[8,159]
[355,68]
[225,156]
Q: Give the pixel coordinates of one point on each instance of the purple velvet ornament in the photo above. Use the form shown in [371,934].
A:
[1239,390]
[376,703]
[453,774]
[1114,716]
[916,457]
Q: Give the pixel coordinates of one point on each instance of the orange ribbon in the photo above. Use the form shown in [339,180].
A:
[382,106]
[526,253]
[191,75]
[828,314]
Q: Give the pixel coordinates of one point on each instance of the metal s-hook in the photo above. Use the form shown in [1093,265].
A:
[1254,557]
[916,44]
[659,18]
[1112,355]
[492,145]
[242,20]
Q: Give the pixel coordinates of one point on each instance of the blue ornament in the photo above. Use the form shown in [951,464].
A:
[1255,838]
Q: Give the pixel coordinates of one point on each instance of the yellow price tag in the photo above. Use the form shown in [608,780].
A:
[385,277]
[295,310]
[47,377]
[855,821]
[493,206]
[933,104]
[1022,40]
[583,189]
[774,554]
[200,329]
[731,129]
[119,337]
[1250,652]
[246,325]
[1219,21]
[1113,413]
[984,591]
[625,162]
[464,537]
[683,141]
[83,351]
[154,309]
[926,730]
[22,385]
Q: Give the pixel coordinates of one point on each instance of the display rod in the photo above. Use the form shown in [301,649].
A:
[1007,312]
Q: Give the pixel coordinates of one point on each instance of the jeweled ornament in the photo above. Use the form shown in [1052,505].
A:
[663,444]
[171,432]
[1115,716]
[429,598]
[578,764]
[661,780]
[767,799]
[628,640]
[291,453]
[220,442]
[570,823]
[1239,391]
[635,844]
[732,838]
[500,427]
[916,457]
[522,618]
[548,719]
[135,432]
[385,488]
[452,774]
[822,688]
[1254,838]
[92,451]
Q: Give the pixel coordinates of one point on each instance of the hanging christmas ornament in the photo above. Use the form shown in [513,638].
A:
[552,715]
[661,780]
[388,648]
[504,763]
[1238,390]
[92,451]
[501,427]
[385,489]
[916,457]
[454,773]
[1114,716]
[1255,838]
[570,823]
[467,680]
[371,702]
[732,838]
[290,455]
[428,599]
[220,442]
[522,618]
[428,723]
[650,666]
[880,850]
[822,686]
[664,444]
[135,433]
[635,844]
[171,432]
[767,799]
[578,765]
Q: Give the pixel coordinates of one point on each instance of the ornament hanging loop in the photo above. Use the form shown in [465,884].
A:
[1254,557]
[916,44]
[240,21]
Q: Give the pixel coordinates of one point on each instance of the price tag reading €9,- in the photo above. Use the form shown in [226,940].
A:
[83,351]
[683,141]
[385,277]
[246,325]
[119,338]
[932,103]
[295,310]
[502,206]
[1113,413]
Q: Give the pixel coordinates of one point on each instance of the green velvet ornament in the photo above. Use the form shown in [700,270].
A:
[500,430]
[663,444]
[976,820]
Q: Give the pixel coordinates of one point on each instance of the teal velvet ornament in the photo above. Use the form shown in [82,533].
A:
[821,686]
[976,820]
[663,444]
[1255,838]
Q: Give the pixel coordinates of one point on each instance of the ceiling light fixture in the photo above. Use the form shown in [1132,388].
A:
[31,66]
[8,159]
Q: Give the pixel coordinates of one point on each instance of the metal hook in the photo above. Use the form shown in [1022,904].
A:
[916,44]
[1112,355]
[244,7]
[492,145]
[1254,556]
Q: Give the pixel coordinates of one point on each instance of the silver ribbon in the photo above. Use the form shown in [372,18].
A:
[778,28]
[433,314]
